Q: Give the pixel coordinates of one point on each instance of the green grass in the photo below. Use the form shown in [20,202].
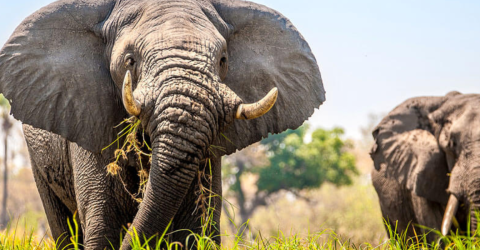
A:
[22,238]
[11,239]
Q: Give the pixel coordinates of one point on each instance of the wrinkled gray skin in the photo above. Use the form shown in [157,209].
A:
[192,62]
[426,149]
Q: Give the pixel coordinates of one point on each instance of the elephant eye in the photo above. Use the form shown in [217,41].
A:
[223,61]
[129,61]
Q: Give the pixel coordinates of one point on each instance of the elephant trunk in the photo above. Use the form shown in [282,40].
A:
[174,166]
[181,127]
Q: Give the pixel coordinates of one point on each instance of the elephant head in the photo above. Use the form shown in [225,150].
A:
[431,146]
[185,68]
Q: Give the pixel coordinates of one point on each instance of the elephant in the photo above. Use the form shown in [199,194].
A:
[427,164]
[204,78]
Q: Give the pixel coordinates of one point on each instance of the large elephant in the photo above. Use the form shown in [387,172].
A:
[185,68]
[427,163]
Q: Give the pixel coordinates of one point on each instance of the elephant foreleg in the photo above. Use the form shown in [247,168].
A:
[57,213]
[104,207]
[54,180]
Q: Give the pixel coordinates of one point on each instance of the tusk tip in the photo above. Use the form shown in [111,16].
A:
[273,93]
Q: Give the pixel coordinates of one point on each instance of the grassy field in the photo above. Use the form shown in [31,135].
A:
[331,218]
[327,239]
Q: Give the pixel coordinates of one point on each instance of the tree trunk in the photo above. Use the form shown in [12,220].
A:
[240,194]
[244,211]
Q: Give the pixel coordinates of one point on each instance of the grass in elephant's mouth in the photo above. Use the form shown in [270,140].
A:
[128,143]
[132,141]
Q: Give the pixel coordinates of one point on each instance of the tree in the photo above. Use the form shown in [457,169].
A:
[293,166]
[235,170]
[6,125]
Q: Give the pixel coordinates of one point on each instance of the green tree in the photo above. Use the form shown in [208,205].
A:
[293,166]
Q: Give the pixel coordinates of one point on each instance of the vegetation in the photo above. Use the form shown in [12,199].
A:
[326,239]
[285,162]
[296,165]
[128,142]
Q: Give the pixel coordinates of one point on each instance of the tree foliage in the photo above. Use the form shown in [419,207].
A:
[288,161]
[295,165]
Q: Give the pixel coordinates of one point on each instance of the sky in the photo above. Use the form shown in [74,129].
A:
[372,54]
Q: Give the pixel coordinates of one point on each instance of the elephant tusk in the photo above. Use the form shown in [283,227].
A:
[132,106]
[255,110]
[450,212]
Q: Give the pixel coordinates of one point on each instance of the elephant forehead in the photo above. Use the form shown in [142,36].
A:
[411,114]
[400,120]
[155,12]
[167,24]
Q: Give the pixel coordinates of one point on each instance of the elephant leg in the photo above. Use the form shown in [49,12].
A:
[188,218]
[54,179]
[57,213]
[395,203]
[104,207]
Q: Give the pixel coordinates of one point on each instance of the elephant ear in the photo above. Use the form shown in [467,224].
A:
[264,51]
[406,150]
[53,71]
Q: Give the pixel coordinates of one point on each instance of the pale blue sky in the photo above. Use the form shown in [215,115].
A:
[373,54]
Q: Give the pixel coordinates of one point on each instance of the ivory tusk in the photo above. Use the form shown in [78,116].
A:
[450,212]
[255,110]
[131,105]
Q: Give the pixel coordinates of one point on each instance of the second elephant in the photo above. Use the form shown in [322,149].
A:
[427,163]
